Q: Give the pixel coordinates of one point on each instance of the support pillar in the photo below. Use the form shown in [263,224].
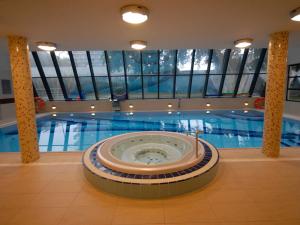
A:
[274,98]
[24,99]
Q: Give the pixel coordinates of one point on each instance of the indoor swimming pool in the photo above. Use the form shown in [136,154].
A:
[78,131]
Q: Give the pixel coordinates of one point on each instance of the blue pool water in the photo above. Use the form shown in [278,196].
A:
[77,131]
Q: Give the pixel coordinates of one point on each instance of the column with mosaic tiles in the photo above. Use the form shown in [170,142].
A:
[274,98]
[24,99]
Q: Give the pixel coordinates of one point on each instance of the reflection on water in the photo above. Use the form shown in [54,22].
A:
[224,129]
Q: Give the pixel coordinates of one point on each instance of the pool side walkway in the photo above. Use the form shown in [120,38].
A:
[249,190]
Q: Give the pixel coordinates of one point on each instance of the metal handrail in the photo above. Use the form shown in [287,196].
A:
[196,134]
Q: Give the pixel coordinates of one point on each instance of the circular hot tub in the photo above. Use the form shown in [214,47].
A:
[150,152]
[150,164]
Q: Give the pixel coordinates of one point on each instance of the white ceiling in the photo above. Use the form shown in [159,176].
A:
[96,24]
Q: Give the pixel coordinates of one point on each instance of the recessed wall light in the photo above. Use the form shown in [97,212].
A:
[93,114]
[245,111]
[208,104]
[131,113]
[54,114]
[131,106]
[170,105]
[169,112]
[92,107]
[246,103]
[138,44]
[243,43]
[134,14]
[207,111]
[295,15]
[46,46]
[53,107]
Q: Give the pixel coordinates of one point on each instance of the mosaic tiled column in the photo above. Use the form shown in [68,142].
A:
[274,98]
[24,99]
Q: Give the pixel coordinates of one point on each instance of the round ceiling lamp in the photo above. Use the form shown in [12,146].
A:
[46,46]
[295,14]
[138,45]
[243,43]
[134,14]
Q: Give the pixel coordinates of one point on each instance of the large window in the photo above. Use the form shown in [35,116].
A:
[152,74]
[293,83]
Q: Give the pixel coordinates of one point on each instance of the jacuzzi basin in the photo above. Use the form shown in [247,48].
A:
[150,152]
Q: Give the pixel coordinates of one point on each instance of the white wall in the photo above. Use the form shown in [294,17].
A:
[7,111]
[293,108]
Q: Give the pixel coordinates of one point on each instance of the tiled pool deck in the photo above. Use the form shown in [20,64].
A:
[249,189]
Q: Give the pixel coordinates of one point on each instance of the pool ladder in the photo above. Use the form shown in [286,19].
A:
[197,132]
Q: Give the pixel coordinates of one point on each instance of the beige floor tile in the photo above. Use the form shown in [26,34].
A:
[38,216]
[15,201]
[139,214]
[6,215]
[189,213]
[52,200]
[57,186]
[239,212]
[94,215]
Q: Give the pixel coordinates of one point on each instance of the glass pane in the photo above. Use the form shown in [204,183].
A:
[81,63]
[39,87]
[87,87]
[133,62]
[264,65]
[116,66]
[102,84]
[294,95]
[98,62]
[150,87]
[245,85]
[64,63]
[217,61]
[201,61]
[118,86]
[47,63]
[182,83]
[150,66]
[229,84]
[252,60]
[213,85]
[197,86]
[166,86]
[55,88]
[71,88]
[294,70]
[260,85]
[235,60]
[34,70]
[167,62]
[294,82]
[134,87]
[184,61]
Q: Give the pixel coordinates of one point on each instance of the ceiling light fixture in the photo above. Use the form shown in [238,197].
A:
[53,107]
[138,45]
[131,106]
[169,105]
[92,107]
[243,43]
[208,104]
[46,46]
[246,103]
[134,14]
[295,14]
